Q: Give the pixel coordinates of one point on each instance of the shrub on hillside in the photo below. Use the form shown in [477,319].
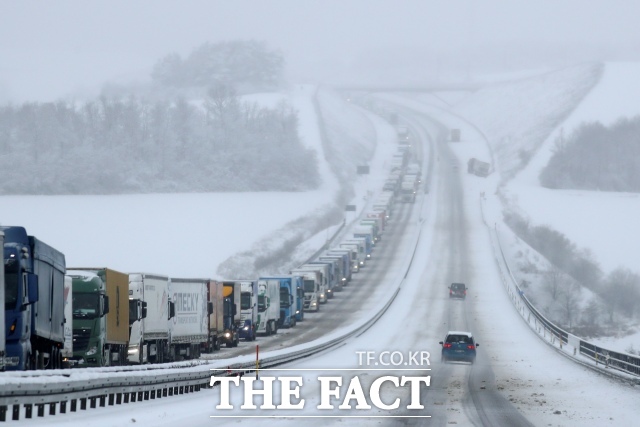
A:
[596,157]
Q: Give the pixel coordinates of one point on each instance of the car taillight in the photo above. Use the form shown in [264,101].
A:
[447,345]
[471,347]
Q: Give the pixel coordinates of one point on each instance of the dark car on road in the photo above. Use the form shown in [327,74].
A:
[459,346]
[457,290]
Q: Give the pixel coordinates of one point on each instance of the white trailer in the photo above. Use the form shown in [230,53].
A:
[149,337]
[268,306]
[190,325]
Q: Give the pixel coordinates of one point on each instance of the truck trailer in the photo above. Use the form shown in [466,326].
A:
[34,302]
[100,316]
[215,318]
[149,338]
[190,325]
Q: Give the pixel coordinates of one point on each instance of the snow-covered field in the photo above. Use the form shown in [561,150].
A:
[183,235]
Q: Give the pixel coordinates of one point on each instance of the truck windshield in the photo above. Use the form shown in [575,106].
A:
[133,311]
[284,297]
[86,306]
[245,300]
[262,306]
[309,286]
[10,290]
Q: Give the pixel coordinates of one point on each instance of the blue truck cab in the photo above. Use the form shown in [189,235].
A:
[34,302]
[288,304]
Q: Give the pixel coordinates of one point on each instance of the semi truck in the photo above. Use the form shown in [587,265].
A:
[249,309]
[2,330]
[408,192]
[358,254]
[321,279]
[361,233]
[478,167]
[100,316]
[34,302]
[328,273]
[343,271]
[338,269]
[288,292]
[149,338]
[349,257]
[232,294]
[190,325]
[311,288]
[268,306]
[215,318]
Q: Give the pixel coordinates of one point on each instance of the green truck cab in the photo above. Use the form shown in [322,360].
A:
[100,316]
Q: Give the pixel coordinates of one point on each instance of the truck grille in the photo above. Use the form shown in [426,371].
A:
[81,339]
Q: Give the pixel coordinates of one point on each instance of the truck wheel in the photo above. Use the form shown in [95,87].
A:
[268,328]
[275,327]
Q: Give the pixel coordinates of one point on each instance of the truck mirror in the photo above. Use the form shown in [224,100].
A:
[172,310]
[105,305]
[209,307]
[32,288]
[144,310]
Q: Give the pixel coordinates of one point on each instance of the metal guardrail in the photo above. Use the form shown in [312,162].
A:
[627,366]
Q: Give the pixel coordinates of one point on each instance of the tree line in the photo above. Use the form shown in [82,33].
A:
[618,292]
[597,157]
[115,145]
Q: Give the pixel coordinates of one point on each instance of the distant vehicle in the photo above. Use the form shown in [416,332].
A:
[478,167]
[459,346]
[457,290]
[403,133]
[408,192]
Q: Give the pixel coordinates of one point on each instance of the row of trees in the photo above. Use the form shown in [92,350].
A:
[248,65]
[114,145]
[596,157]
[571,268]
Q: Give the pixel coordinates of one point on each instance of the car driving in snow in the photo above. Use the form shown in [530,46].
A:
[457,290]
[459,346]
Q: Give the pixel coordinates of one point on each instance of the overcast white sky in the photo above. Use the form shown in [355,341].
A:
[70,47]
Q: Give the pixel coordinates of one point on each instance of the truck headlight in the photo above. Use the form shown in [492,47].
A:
[93,350]
[246,328]
[227,335]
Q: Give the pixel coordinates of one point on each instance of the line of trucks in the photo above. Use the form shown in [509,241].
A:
[406,173]
[58,317]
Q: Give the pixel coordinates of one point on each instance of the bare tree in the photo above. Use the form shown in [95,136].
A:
[553,281]
[570,302]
